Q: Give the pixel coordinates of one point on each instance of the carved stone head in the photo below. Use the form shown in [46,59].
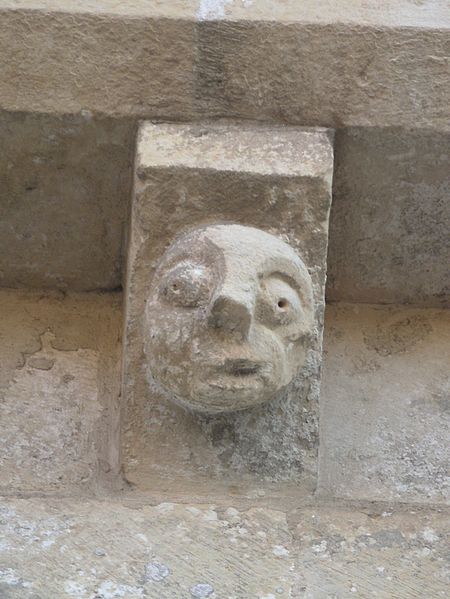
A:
[228,318]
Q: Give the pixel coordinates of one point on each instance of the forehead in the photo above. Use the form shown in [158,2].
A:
[233,240]
[240,240]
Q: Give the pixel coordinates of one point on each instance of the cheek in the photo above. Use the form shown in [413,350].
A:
[268,346]
[286,357]
[169,330]
[295,357]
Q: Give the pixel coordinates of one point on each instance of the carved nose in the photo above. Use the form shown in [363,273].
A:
[231,314]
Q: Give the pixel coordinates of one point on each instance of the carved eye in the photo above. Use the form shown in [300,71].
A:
[187,285]
[279,303]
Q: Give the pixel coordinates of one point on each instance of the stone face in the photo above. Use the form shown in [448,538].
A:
[63,548]
[390,217]
[187,176]
[384,404]
[228,319]
[59,387]
[64,195]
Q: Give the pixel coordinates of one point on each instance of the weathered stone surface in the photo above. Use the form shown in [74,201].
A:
[107,550]
[310,63]
[104,63]
[331,75]
[64,196]
[59,388]
[273,178]
[61,62]
[390,218]
[228,319]
[66,185]
[385,404]
[392,13]
[370,551]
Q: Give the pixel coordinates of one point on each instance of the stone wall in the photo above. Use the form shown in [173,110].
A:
[336,488]
[60,387]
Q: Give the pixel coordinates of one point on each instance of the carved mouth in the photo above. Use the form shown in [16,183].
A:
[240,367]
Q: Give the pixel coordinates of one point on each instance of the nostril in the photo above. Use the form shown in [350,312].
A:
[282,303]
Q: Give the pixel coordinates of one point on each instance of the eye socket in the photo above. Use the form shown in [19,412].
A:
[187,285]
[278,302]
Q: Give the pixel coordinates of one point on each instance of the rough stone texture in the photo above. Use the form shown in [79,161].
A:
[326,75]
[62,225]
[182,9]
[276,179]
[108,550]
[65,187]
[370,551]
[59,390]
[58,62]
[315,64]
[63,202]
[385,404]
[64,195]
[392,13]
[390,218]
[228,319]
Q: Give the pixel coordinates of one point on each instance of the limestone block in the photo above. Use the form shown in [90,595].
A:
[390,219]
[322,63]
[64,62]
[59,387]
[274,179]
[118,549]
[385,404]
[331,73]
[64,194]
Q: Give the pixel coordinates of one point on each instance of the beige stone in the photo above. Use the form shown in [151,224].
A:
[390,218]
[273,178]
[221,505]
[66,191]
[228,320]
[107,549]
[385,404]
[59,388]
[64,196]
[312,64]
[392,13]
[61,62]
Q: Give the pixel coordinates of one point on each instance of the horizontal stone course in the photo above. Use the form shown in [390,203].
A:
[314,67]
[106,549]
